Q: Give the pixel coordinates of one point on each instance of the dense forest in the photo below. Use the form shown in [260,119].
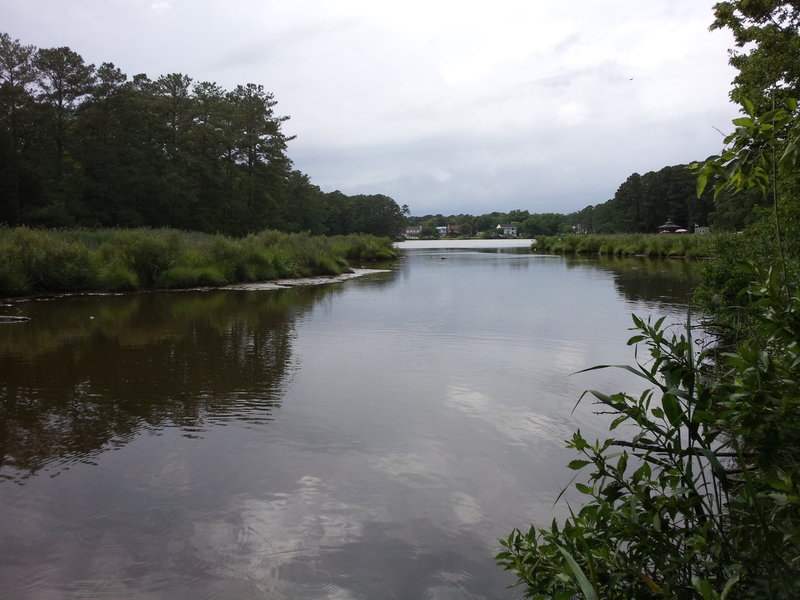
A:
[643,202]
[88,146]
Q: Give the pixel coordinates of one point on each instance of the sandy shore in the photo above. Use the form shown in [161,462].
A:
[278,284]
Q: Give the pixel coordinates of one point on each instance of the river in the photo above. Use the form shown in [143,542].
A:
[367,439]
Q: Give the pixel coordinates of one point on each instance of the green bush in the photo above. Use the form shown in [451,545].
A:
[703,500]
[184,276]
[33,262]
[116,277]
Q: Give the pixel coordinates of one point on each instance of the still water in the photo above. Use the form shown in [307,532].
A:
[369,439]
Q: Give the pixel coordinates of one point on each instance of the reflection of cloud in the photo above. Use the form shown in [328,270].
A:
[411,468]
[266,540]
[518,424]
[467,509]
[570,356]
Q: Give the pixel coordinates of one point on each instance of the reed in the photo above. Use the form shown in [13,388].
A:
[629,244]
[49,261]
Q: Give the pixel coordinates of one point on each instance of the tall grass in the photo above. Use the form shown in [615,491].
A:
[628,244]
[42,261]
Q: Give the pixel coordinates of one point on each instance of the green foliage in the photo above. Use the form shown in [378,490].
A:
[644,202]
[652,245]
[86,146]
[33,262]
[761,146]
[762,155]
[702,498]
[542,224]
[357,247]
[768,48]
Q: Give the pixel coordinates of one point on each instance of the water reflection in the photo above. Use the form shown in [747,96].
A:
[670,281]
[87,373]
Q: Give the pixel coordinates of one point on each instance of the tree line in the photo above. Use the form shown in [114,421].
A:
[88,146]
[640,205]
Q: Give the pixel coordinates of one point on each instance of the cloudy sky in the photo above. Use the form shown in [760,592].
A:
[448,106]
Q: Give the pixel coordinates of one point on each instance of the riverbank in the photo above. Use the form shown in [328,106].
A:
[116,260]
[628,244]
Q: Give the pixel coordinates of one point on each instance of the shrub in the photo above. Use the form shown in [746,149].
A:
[33,262]
[146,253]
[704,499]
[183,276]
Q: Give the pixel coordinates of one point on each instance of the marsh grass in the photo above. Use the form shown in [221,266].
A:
[633,244]
[47,261]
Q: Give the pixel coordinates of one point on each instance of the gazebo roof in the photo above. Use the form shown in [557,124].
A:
[669,225]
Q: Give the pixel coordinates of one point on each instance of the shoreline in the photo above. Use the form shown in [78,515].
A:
[276,284]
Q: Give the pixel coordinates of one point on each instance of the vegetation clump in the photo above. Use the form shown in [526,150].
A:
[632,244]
[703,499]
[39,261]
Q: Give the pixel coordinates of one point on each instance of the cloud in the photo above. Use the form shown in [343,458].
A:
[160,7]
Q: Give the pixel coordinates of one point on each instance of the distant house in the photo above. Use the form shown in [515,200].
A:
[413,232]
[453,230]
[441,230]
[669,227]
[702,230]
[507,229]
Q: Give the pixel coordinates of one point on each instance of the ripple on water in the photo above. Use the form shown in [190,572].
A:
[166,585]
[113,555]
[126,526]
[308,576]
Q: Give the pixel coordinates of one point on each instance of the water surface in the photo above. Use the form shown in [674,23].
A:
[357,440]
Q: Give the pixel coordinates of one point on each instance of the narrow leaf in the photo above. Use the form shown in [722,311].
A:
[716,466]
[672,409]
[583,581]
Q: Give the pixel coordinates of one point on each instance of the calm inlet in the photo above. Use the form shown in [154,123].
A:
[368,439]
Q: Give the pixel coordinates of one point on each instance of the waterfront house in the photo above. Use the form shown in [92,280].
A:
[413,232]
[508,229]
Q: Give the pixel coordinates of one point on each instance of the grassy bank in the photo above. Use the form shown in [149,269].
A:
[628,244]
[39,261]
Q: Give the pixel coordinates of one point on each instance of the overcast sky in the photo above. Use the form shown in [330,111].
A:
[448,106]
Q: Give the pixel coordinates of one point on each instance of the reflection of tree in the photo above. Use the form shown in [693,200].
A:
[90,372]
[647,279]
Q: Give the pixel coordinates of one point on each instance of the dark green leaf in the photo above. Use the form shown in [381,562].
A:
[575,465]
